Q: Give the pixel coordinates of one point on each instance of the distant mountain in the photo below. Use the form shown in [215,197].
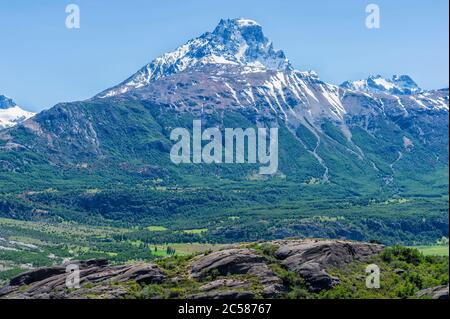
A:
[377,138]
[10,113]
[235,69]
[399,84]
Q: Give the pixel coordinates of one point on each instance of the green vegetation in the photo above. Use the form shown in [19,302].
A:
[156,228]
[404,272]
[433,250]
[195,231]
[44,244]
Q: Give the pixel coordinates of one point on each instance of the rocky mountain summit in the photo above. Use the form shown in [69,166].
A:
[243,271]
[6,102]
[238,42]
[11,114]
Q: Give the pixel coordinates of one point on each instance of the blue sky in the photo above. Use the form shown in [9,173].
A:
[43,63]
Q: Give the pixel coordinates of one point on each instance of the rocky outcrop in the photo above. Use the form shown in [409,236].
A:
[97,278]
[239,272]
[228,283]
[311,258]
[308,258]
[440,292]
[224,295]
[237,262]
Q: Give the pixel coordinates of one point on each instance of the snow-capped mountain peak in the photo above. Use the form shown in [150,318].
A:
[236,66]
[398,84]
[242,41]
[238,42]
[11,114]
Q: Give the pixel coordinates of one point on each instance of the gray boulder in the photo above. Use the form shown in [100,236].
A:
[97,278]
[234,295]
[237,262]
[224,283]
[311,258]
[440,292]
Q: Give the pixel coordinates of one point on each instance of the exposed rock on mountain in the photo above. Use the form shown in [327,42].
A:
[6,102]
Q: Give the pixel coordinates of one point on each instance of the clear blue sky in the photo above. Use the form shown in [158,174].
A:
[43,63]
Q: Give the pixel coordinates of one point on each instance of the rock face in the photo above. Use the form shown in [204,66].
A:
[237,262]
[223,295]
[311,258]
[6,102]
[308,258]
[50,283]
[440,292]
[229,283]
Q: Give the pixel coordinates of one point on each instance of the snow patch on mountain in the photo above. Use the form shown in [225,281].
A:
[11,114]
[398,84]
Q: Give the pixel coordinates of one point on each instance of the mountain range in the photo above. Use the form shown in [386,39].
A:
[369,139]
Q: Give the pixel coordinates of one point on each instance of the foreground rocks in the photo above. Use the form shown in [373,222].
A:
[440,292]
[311,258]
[239,272]
[238,262]
[97,278]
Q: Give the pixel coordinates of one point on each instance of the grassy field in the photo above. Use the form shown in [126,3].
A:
[433,250]
[185,249]
[26,245]
[156,228]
